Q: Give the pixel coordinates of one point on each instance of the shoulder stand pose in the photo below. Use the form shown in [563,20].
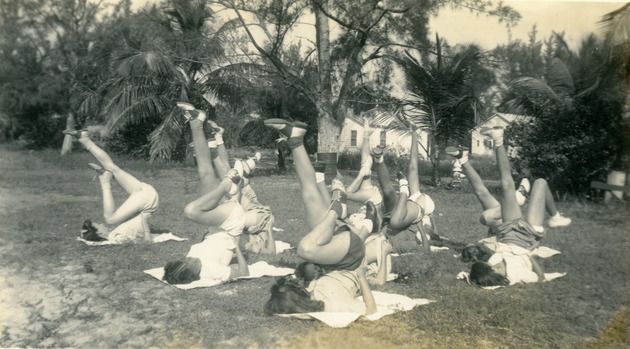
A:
[130,219]
[217,206]
[408,206]
[328,245]
[361,189]
[510,266]
[259,220]
[491,216]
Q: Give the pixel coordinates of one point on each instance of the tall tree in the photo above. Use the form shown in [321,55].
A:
[47,58]
[616,28]
[365,31]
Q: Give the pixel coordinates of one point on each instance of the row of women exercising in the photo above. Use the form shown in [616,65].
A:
[339,246]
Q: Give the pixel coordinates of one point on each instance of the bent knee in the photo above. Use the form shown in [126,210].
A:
[305,250]
[540,182]
[397,223]
[110,220]
[190,211]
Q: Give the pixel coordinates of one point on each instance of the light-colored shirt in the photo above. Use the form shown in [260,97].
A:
[338,290]
[215,253]
[518,268]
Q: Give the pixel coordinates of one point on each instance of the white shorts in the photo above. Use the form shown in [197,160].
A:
[425,204]
[235,223]
[133,230]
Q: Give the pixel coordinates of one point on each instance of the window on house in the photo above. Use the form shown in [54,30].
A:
[353,138]
[489,143]
[477,143]
[383,141]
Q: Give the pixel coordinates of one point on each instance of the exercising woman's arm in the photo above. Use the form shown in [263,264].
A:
[241,268]
[381,276]
[270,244]
[368,298]
[537,269]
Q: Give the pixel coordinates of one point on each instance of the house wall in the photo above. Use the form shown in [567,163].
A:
[482,145]
[393,140]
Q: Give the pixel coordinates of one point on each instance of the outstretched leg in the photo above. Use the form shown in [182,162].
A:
[134,204]
[406,212]
[362,189]
[390,195]
[128,182]
[482,193]
[541,200]
[510,210]
[314,203]
[208,209]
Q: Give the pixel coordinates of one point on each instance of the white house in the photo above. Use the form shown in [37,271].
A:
[352,138]
[482,145]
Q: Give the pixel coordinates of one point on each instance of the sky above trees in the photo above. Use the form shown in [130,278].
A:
[576,18]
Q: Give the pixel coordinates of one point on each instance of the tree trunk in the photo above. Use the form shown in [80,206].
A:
[433,150]
[66,148]
[328,131]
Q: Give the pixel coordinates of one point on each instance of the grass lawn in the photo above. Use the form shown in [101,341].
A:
[58,292]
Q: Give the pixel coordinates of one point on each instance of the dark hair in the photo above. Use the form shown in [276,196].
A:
[179,272]
[288,296]
[476,253]
[302,273]
[89,232]
[483,275]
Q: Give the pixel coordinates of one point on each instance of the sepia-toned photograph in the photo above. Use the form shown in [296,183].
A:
[314,174]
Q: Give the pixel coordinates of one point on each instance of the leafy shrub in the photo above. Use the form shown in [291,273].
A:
[569,147]
[133,140]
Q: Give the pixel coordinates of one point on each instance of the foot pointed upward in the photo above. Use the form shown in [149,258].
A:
[377,153]
[495,133]
[289,129]
[76,134]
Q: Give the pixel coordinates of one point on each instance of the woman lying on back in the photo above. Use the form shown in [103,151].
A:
[330,245]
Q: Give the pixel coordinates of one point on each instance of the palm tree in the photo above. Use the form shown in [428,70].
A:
[440,98]
[168,54]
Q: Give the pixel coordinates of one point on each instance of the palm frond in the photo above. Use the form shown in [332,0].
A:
[616,26]
[89,102]
[144,63]
[134,109]
[533,85]
[165,137]
[559,78]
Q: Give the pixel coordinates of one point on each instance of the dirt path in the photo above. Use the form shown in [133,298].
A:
[51,305]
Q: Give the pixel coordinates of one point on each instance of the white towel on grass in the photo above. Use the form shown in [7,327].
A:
[256,270]
[433,249]
[282,246]
[154,237]
[548,277]
[387,304]
[540,251]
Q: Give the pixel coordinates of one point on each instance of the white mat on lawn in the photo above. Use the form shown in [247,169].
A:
[387,304]
[540,251]
[282,246]
[548,277]
[154,237]
[433,249]
[256,270]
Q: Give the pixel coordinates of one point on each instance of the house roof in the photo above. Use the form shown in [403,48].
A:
[507,118]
